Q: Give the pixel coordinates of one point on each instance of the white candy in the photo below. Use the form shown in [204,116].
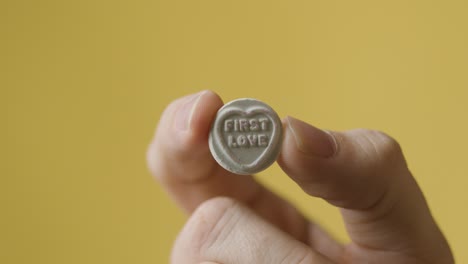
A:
[246,136]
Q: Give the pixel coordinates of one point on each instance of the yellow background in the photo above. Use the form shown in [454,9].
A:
[83,84]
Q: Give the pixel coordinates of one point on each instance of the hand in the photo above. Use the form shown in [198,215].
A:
[362,172]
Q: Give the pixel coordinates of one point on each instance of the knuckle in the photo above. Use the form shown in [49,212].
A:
[213,218]
[300,255]
[210,221]
[385,147]
[388,146]
[214,208]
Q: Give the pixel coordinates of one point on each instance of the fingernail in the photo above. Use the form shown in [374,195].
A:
[311,140]
[185,112]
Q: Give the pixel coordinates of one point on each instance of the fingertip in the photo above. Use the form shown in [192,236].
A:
[305,147]
[182,132]
[186,121]
[203,113]
[311,140]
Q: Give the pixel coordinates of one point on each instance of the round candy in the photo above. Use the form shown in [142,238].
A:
[246,136]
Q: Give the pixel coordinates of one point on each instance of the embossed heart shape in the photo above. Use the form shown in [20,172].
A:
[251,158]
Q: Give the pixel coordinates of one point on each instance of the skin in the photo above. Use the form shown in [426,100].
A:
[236,220]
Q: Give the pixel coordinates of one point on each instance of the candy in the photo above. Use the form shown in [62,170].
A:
[246,136]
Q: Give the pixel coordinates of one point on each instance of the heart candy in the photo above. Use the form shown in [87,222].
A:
[246,136]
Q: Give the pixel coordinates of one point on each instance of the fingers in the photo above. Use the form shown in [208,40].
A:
[224,231]
[180,159]
[364,173]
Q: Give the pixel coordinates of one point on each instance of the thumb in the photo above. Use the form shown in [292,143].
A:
[365,174]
